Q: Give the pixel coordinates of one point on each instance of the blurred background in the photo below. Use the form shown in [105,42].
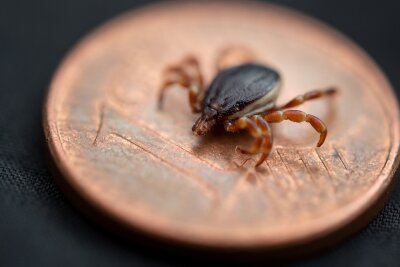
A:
[38,227]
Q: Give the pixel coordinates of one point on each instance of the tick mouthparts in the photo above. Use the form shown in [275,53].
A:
[203,125]
[205,122]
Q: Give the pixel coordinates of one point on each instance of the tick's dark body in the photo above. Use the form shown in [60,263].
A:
[235,88]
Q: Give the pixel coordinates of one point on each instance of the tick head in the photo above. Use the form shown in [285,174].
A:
[205,122]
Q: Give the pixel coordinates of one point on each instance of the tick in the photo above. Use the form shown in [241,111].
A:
[241,97]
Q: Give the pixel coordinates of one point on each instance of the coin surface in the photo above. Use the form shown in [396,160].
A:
[143,168]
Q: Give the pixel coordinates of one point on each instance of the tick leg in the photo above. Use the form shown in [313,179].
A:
[173,76]
[260,130]
[308,96]
[254,130]
[299,116]
[267,138]
[254,149]
[188,76]
[232,56]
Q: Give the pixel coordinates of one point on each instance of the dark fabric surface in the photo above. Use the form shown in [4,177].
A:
[38,226]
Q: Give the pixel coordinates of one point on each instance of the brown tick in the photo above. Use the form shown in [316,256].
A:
[241,96]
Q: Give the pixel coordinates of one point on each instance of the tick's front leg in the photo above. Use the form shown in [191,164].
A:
[188,76]
[308,96]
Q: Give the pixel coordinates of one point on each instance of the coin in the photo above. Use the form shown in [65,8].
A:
[142,167]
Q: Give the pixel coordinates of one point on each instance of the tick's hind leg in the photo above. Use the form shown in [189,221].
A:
[267,140]
[307,96]
[259,129]
[188,76]
[299,116]
[233,55]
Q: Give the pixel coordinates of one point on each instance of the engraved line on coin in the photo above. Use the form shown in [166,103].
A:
[147,128]
[272,173]
[231,197]
[266,192]
[163,148]
[164,160]
[340,156]
[198,179]
[59,137]
[283,180]
[215,167]
[100,123]
[321,158]
[306,166]
[270,169]
[270,195]
[291,175]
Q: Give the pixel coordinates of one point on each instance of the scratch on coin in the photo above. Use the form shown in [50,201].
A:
[59,137]
[321,158]
[231,197]
[292,178]
[267,193]
[210,190]
[162,149]
[270,169]
[306,166]
[145,126]
[340,156]
[100,123]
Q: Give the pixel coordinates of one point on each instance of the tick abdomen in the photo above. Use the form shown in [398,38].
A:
[241,90]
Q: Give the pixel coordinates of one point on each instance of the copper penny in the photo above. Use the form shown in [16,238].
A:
[144,169]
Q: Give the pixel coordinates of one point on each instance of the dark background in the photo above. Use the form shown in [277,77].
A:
[38,227]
